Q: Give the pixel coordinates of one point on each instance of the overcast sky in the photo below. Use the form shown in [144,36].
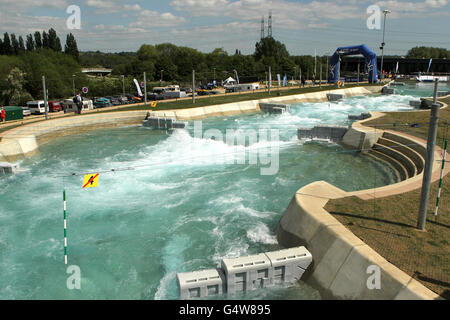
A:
[303,25]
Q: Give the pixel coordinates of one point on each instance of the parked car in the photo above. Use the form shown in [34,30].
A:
[133,99]
[102,103]
[69,106]
[54,106]
[26,111]
[155,96]
[36,107]
[186,89]
[204,92]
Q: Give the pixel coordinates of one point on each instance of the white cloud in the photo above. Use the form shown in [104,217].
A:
[25,24]
[287,15]
[104,6]
[405,9]
[436,3]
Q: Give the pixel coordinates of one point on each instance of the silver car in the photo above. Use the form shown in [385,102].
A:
[26,111]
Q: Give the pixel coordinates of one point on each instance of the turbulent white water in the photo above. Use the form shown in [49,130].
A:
[184,203]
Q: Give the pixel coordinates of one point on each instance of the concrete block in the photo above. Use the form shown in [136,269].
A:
[200,284]
[387,90]
[8,168]
[163,123]
[334,96]
[289,264]
[415,104]
[333,133]
[274,108]
[362,116]
[247,273]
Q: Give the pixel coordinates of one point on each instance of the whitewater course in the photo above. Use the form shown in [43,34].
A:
[180,201]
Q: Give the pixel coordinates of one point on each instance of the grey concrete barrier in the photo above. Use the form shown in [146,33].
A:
[333,133]
[334,96]
[274,108]
[6,167]
[200,284]
[247,273]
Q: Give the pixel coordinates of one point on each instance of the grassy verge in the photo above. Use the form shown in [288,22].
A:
[394,121]
[388,225]
[203,101]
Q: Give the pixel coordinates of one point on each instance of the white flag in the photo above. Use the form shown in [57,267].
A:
[138,88]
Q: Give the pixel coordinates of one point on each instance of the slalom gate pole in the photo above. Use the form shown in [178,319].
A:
[440,180]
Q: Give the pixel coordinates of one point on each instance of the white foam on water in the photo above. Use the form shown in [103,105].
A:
[261,233]
[172,258]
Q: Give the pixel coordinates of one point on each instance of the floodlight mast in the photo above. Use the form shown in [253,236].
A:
[385,12]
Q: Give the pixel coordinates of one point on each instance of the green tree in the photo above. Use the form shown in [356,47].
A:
[57,68]
[7,47]
[37,40]
[71,47]
[30,42]
[54,42]
[147,52]
[14,44]
[15,94]
[269,47]
[169,72]
[21,45]
[428,52]
[45,40]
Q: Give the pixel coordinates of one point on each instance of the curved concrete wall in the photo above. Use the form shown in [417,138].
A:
[340,259]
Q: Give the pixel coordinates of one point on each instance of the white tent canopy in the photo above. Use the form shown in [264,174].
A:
[229,80]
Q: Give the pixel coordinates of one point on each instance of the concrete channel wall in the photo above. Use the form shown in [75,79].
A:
[340,259]
[25,140]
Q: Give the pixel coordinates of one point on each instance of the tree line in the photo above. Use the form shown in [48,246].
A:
[428,52]
[169,62]
[13,45]
[23,63]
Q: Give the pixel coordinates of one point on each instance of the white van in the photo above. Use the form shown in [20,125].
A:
[70,106]
[36,107]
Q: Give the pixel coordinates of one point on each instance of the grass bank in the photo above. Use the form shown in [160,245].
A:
[388,225]
[203,101]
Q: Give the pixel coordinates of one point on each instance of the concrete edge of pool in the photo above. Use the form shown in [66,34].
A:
[322,232]
[340,259]
[22,141]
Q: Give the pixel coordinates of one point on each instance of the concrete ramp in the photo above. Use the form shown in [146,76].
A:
[6,168]
[163,123]
[332,133]
[274,108]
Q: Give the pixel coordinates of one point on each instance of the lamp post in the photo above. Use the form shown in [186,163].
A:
[123,85]
[160,81]
[385,12]
[73,84]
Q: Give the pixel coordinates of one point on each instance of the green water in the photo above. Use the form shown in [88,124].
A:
[171,205]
